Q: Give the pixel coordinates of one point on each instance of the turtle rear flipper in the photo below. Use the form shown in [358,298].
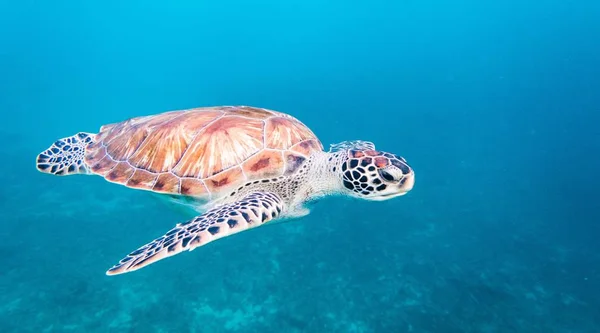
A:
[65,156]
[253,210]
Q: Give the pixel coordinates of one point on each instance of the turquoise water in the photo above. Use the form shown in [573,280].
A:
[494,104]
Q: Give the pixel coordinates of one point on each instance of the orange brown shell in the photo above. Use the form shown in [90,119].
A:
[201,151]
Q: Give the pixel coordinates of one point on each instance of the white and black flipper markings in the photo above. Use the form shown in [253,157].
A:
[351,144]
[65,156]
[254,210]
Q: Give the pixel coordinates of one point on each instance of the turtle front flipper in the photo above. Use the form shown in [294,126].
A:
[254,210]
[352,144]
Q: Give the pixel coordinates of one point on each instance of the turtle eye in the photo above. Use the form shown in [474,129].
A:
[386,175]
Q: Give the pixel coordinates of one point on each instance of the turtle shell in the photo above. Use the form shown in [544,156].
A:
[202,151]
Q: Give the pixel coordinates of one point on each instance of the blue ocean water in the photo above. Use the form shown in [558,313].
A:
[494,104]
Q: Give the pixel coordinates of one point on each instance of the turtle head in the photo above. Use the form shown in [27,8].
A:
[375,175]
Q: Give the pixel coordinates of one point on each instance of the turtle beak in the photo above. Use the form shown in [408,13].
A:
[408,182]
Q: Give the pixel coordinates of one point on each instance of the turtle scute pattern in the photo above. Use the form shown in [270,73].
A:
[201,151]
[254,210]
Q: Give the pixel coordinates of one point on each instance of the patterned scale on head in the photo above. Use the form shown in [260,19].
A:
[371,174]
[376,175]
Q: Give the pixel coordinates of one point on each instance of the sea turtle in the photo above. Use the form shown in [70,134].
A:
[240,166]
